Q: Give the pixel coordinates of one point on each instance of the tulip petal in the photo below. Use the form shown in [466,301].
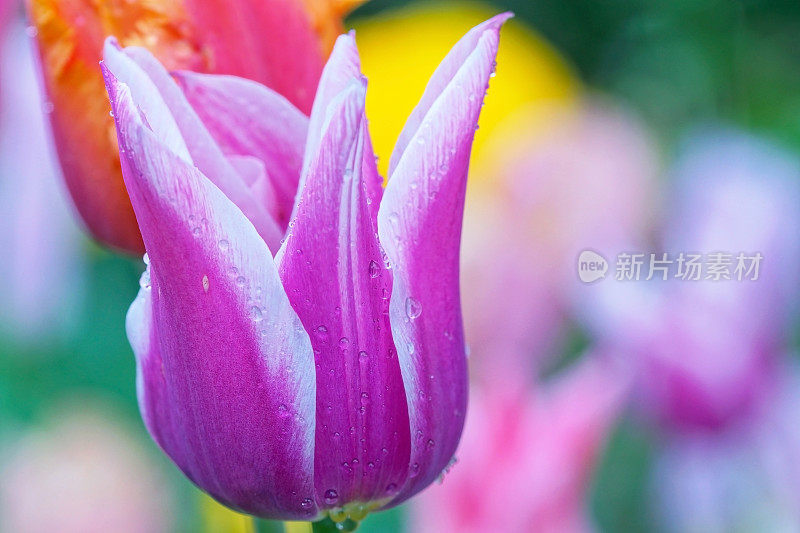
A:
[273,42]
[165,107]
[333,271]
[441,79]
[247,118]
[419,223]
[226,376]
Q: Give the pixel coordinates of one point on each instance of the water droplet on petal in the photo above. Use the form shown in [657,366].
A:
[413,308]
[331,496]
[256,314]
[224,245]
[374,269]
[144,281]
[205,283]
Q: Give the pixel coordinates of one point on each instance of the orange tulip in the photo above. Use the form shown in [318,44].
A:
[280,43]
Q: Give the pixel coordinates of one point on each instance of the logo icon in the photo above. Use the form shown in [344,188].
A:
[591,266]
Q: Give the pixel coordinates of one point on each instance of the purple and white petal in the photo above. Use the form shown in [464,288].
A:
[334,274]
[419,223]
[225,368]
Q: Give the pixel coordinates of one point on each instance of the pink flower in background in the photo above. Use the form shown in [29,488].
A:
[525,461]
[744,478]
[81,472]
[586,182]
[706,351]
[43,267]
[332,378]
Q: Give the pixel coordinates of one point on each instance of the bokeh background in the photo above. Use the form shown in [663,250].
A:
[621,125]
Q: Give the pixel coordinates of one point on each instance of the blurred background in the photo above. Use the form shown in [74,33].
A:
[616,406]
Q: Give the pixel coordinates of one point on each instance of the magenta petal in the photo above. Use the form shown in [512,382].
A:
[165,107]
[419,223]
[441,79]
[334,274]
[246,118]
[226,381]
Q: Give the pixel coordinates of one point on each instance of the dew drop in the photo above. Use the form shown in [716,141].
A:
[205,283]
[331,496]
[337,515]
[413,308]
[224,245]
[256,314]
[144,281]
[240,281]
[322,332]
[283,411]
[374,269]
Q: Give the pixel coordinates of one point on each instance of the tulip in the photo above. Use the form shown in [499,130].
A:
[247,38]
[525,461]
[330,379]
[744,478]
[705,351]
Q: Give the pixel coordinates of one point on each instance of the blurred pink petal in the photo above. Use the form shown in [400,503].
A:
[745,478]
[705,350]
[43,268]
[525,462]
[586,183]
[81,472]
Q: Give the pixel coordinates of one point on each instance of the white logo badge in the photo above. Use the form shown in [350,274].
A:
[591,266]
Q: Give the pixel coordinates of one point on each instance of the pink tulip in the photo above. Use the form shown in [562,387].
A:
[330,379]
[705,350]
[745,477]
